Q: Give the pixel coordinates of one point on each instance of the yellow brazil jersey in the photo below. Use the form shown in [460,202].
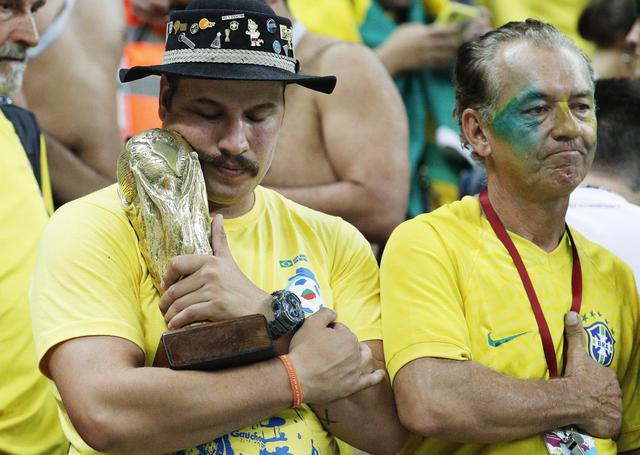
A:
[92,280]
[563,14]
[28,419]
[449,289]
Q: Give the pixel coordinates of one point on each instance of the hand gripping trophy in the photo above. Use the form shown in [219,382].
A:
[162,189]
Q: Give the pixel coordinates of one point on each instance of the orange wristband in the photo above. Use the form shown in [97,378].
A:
[296,388]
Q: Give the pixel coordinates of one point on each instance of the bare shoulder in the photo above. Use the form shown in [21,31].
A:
[351,60]
[358,69]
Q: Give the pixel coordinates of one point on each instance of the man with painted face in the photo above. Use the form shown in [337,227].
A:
[505,330]
[98,317]
[28,419]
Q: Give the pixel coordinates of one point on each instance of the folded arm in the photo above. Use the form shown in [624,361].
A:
[464,401]
[71,177]
[116,404]
[367,419]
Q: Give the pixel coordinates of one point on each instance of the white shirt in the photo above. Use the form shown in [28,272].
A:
[609,220]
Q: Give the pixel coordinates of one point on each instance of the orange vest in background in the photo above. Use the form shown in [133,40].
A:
[139,99]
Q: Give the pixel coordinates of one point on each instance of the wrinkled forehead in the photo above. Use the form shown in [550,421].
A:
[559,73]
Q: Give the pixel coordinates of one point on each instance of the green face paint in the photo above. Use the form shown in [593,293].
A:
[515,123]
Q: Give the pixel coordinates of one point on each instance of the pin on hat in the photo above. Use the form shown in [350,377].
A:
[179,27]
[217,44]
[254,33]
[182,38]
[272,27]
[205,23]
[252,55]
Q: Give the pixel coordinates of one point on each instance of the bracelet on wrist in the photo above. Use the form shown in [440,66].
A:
[294,381]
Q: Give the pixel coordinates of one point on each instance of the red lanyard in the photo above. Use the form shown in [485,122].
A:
[576,283]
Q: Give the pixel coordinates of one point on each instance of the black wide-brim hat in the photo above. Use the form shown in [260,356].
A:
[241,40]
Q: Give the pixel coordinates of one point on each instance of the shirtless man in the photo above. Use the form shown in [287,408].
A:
[76,103]
[346,154]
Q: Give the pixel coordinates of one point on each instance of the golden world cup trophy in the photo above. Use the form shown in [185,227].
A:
[162,189]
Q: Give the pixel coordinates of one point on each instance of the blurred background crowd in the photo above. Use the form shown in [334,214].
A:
[415,40]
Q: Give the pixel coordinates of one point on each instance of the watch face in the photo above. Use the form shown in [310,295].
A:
[289,314]
[293,312]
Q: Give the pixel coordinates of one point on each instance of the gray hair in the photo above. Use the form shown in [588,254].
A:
[478,85]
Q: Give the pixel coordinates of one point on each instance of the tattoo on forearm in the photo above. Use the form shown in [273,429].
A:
[326,420]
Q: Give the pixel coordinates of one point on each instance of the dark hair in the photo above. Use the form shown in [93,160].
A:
[606,21]
[477,83]
[618,113]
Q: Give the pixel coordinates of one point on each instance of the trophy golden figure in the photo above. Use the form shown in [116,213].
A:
[163,193]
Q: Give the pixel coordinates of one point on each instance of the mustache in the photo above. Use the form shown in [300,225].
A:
[226,160]
[13,51]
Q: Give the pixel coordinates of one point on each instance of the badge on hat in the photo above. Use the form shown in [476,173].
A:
[232,17]
[254,34]
[179,27]
[286,34]
[182,37]
[272,27]
[217,44]
[205,23]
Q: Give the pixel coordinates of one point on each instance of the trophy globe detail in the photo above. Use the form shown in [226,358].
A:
[162,189]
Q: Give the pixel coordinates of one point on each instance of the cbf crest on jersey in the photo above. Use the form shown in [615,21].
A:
[601,343]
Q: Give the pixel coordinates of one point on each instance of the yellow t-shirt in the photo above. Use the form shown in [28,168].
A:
[338,19]
[91,279]
[449,289]
[563,14]
[28,420]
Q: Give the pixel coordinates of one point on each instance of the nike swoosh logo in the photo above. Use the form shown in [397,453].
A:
[501,341]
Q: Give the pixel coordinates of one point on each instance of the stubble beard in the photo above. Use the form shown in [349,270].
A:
[13,62]
[11,74]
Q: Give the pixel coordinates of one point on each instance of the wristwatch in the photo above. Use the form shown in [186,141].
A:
[288,313]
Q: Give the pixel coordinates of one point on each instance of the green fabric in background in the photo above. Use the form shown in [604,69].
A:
[429,99]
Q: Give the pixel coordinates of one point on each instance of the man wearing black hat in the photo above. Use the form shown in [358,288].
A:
[95,308]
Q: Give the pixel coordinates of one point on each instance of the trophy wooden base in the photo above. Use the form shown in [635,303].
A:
[215,345]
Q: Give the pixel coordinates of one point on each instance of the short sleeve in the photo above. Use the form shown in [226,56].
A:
[354,283]
[86,279]
[630,383]
[422,308]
